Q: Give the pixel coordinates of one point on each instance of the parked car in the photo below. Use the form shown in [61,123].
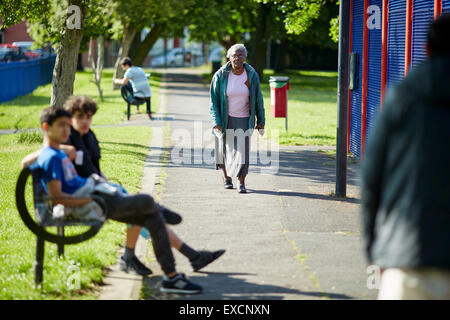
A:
[25,46]
[10,53]
[175,58]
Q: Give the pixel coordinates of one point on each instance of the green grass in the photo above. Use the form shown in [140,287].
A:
[121,161]
[312,107]
[23,112]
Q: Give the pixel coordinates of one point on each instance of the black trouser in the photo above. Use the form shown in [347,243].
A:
[128,88]
[142,210]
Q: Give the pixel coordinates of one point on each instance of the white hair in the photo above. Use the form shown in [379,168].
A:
[236,47]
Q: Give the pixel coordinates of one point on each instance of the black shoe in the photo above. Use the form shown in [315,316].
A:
[241,189]
[170,217]
[149,115]
[205,258]
[133,265]
[179,284]
[228,184]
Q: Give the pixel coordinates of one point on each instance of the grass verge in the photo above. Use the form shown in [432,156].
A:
[23,112]
[312,108]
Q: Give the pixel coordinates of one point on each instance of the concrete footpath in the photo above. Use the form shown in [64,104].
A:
[287,238]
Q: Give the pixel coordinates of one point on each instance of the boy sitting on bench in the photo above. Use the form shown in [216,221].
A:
[135,82]
[83,143]
[60,179]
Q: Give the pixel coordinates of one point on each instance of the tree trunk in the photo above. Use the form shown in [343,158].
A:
[146,45]
[97,68]
[280,56]
[259,41]
[206,52]
[66,60]
[80,62]
[127,39]
[268,53]
[135,44]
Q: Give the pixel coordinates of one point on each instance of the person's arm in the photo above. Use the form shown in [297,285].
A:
[260,113]
[126,78]
[215,103]
[123,81]
[30,158]
[372,172]
[55,190]
[69,150]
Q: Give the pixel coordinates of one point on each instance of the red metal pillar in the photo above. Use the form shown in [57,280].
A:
[408,36]
[437,8]
[349,113]
[384,47]
[364,79]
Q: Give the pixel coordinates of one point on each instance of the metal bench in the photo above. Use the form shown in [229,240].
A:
[43,218]
[130,100]
[127,95]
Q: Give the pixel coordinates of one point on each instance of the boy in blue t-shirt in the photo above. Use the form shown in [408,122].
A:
[60,179]
[56,165]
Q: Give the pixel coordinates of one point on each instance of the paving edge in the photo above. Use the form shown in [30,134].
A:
[119,285]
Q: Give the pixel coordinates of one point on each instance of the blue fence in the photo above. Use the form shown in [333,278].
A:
[21,78]
[356,95]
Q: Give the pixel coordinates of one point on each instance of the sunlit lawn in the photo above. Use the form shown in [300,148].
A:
[312,108]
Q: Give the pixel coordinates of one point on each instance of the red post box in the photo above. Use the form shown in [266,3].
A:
[278,96]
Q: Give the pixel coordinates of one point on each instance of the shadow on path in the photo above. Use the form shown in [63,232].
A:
[226,286]
[303,195]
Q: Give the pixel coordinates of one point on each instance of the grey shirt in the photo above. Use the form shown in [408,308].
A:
[139,82]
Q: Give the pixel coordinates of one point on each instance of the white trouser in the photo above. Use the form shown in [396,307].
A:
[415,284]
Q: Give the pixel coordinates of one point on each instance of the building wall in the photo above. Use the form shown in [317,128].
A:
[17,32]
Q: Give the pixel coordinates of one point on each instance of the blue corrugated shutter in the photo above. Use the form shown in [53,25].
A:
[445,6]
[374,72]
[396,41]
[356,95]
[423,14]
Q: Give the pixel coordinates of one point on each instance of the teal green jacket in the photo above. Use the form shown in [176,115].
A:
[218,98]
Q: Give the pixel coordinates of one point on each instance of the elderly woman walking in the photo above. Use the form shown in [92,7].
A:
[236,100]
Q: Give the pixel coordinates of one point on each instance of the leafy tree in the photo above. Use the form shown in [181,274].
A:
[168,19]
[224,21]
[334,29]
[130,16]
[299,14]
[94,36]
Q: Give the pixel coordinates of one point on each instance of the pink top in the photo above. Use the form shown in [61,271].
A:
[238,95]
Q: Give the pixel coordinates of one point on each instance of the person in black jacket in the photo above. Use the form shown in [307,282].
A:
[405,185]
